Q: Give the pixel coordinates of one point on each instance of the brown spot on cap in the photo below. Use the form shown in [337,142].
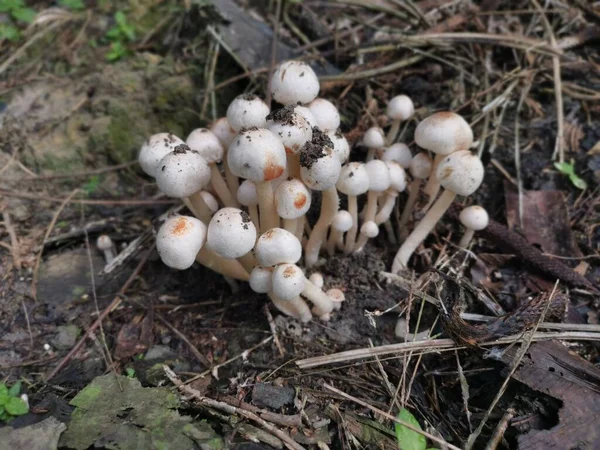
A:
[448,171]
[180,226]
[272,170]
[268,234]
[289,271]
[300,200]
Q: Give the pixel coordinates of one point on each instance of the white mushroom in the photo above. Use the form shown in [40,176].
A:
[156,148]
[277,246]
[231,233]
[106,246]
[342,222]
[326,114]
[420,168]
[353,181]
[293,131]
[337,297]
[226,135]
[179,240]
[379,181]
[261,279]
[374,139]
[182,172]
[316,278]
[368,230]
[292,201]
[294,82]
[399,108]
[474,218]
[460,173]
[246,111]
[341,148]
[247,197]
[398,152]
[308,116]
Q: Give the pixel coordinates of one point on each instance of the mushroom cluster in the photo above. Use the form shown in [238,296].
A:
[249,181]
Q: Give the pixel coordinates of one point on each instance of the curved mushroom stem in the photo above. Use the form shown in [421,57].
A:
[421,231]
[408,208]
[233,284]
[290,225]
[248,261]
[329,208]
[466,238]
[320,300]
[334,238]
[296,307]
[266,204]
[388,206]
[372,197]
[221,188]
[433,185]
[228,267]
[351,234]
[393,132]
[196,204]
[253,211]
[233,182]
[370,154]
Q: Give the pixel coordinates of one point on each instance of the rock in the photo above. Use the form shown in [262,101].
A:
[43,435]
[66,337]
[271,396]
[160,352]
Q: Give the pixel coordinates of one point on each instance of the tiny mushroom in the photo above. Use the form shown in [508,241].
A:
[353,181]
[420,169]
[399,108]
[316,278]
[292,201]
[368,230]
[379,182]
[326,114]
[105,245]
[342,222]
[374,139]
[156,148]
[294,82]
[398,152]
[474,218]
[460,173]
[261,279]
[337,297]
[246,111]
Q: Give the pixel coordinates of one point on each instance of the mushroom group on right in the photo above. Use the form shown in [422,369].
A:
[250,178]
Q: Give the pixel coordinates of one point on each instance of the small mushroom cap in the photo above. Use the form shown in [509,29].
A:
[308,116]
[326,114]
[288,281]
[342,221]
[291,127]
[231,233]
[421,166]
[319,167]
[374,138]
[207,144]
[443,133]
[398,152]
[210,201]
[400,107]
[460,172]
[353,179]
[277,246]
[247,111]
[182,172]
[246,193]
[294,82]
[379,175]
[369,229]
[316,278]
[336,295]
[474,217]
[223,131]
[156,148]
[397,176]
[260,279]
[341,148]
[257,154]
[104,242]
[292,199]
[179,240]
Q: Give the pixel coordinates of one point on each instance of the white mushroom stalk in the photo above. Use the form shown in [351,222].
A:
[459,173]
[226,135]
[353,181]
[474,218]
[342,222]
[420,168]
[379,181]
[246,195]
[399,108]
[320,169]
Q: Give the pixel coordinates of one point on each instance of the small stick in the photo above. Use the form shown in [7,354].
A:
[199,356]
[273,330]
[500,429]
[15,249]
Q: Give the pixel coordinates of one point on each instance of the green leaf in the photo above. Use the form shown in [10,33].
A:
[113,34]
[72,4]
[24,14]
[15,389]
[9,32]
[10,5]
[120,18]
[408,439]
[130,372]
[117,51]
[16,407]
[579,183]
[128,31]
[565,168]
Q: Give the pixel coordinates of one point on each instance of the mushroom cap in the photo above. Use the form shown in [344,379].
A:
[336,295]
[179,240]
[291,127]
[369,229]
[277,246]
[400,107]
[326,114]
[207,144]
[397,176]
[104,242]
[341,148]
[379,175]
[474,217]
[353,179]
[156,148]
[182,172]
[294,82]
[460,172]
[342,221]
[292,199]
[288,281]
[210,201]
[443,133]
[398,152]
[374,138]
[260,279]
[421,166]
[247,110]
[316,278]
[319,167]
[257,154]
[231,233]
[308,116]
[246,193]
[223,131]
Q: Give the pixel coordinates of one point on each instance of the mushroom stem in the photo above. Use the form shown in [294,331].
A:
[198,207]
[351,235]
[221,188]
[370,155]
[390,232]
[320,300]
[290,225]
[293,162]
[296,307]
[228,267]
[410,204]
[369,216]
[393,132]
[466,238]
[386,209]
[233,182]
[266,204]
[334,237]
[329,208]
[433,184]
[248,261]
[300,222]
[253,210]
[421,231]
